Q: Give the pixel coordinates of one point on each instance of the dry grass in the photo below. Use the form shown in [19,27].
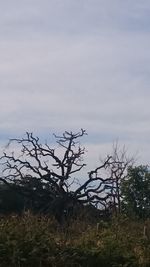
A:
[29,241]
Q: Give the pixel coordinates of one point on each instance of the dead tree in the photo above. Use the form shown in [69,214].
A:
[118,171]
[45,175]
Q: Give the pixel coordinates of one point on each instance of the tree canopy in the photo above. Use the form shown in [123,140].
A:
[135,190]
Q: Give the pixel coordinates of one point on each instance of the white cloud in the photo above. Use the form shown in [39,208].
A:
[72,64]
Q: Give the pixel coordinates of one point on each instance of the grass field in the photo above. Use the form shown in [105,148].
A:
[28,240]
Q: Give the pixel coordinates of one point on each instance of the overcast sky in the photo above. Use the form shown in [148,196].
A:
[71,64]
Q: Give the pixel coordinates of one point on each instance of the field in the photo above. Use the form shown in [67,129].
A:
[29,240]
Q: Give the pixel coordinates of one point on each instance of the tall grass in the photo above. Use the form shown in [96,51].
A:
[29,240]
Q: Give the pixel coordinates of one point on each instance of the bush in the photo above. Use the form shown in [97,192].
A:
[28,241]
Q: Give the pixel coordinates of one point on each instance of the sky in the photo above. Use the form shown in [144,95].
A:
[72,64]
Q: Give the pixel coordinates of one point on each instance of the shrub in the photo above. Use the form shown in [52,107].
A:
[29,240]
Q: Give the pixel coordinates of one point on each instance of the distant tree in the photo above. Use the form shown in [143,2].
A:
[118,171]
[135,190]
[46,175]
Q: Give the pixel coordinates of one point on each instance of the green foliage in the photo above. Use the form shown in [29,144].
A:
[135,191]
[29,241]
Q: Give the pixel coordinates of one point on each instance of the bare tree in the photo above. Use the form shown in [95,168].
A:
[45,175]
[118,171]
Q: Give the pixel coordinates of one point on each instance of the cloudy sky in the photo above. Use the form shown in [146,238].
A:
[71,64]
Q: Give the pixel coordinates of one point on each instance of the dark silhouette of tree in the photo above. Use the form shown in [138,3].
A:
[45,175]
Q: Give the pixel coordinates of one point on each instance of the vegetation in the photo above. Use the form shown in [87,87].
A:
[49,218]
[39,241]
[136,192]
[45,176]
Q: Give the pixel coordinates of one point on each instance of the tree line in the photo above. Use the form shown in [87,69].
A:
[43,179]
